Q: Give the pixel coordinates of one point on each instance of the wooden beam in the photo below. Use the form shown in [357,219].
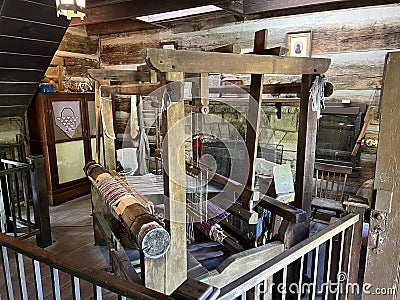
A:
[129,89]
[286,211]
[307,136]
[166,60]
[118,27]
[290,7]
[232,48]
[175,192]
[119,75]
[253,118]
[133,9]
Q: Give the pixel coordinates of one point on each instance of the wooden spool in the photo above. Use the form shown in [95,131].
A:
[148,234]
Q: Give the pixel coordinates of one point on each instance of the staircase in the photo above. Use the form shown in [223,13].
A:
[30,33]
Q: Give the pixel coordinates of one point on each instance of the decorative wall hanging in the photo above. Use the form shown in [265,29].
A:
[67,115]
[299,44]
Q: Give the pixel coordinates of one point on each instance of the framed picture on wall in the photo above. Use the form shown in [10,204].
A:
[299,44]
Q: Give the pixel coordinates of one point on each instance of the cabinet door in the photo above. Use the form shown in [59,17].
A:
[69,138]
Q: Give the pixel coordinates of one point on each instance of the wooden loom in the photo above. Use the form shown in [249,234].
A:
[167,273]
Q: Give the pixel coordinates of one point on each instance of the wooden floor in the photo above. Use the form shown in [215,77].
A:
[72,235]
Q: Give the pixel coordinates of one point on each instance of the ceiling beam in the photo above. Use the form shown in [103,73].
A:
[133,9]
[118,27]
[273,8]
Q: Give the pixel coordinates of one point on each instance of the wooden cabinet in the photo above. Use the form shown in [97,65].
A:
[62,127]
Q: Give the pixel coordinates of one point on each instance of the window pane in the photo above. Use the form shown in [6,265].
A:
[70,161]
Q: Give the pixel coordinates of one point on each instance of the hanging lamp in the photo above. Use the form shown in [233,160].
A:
[71,8]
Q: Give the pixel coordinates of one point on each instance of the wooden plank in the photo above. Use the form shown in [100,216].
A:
[15,99]
[175,206]
[17,87]
[231,48]
[132,9]
[232,267]
[166,60]
[23,61]
[31,30]
[307,135]
[384,234]
[27,46]
[118,27]
[288,7]
[31,11]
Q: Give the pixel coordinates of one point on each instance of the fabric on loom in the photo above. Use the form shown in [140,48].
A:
[213,210]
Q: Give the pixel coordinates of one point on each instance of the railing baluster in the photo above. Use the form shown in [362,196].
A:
[328,267]
[7,273]
[284,282]
[38,279]
[76,289]
[21,275]
[56,284]
[300,283]
[340,263]
[97,292]
[314,273]
[26,200]
[349,259]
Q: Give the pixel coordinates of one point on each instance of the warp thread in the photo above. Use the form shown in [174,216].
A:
[112,191]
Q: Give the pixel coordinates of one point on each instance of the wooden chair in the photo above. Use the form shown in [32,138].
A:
[330,182]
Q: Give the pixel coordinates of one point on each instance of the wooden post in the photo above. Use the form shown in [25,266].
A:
[108,129]
[306,141]
[166,274]
[383,261]
[175,208]
[40,200]
[98,119]
[253,118]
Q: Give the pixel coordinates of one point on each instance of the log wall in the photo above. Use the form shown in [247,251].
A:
[356,40]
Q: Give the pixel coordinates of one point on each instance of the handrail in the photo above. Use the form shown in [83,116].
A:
[96,277]
[235,288]
[14,163]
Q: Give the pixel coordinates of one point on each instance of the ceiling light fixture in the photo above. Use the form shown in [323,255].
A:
[71,8]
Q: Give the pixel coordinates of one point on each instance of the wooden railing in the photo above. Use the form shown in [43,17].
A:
[30,272]
[23,186]
[333,244]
